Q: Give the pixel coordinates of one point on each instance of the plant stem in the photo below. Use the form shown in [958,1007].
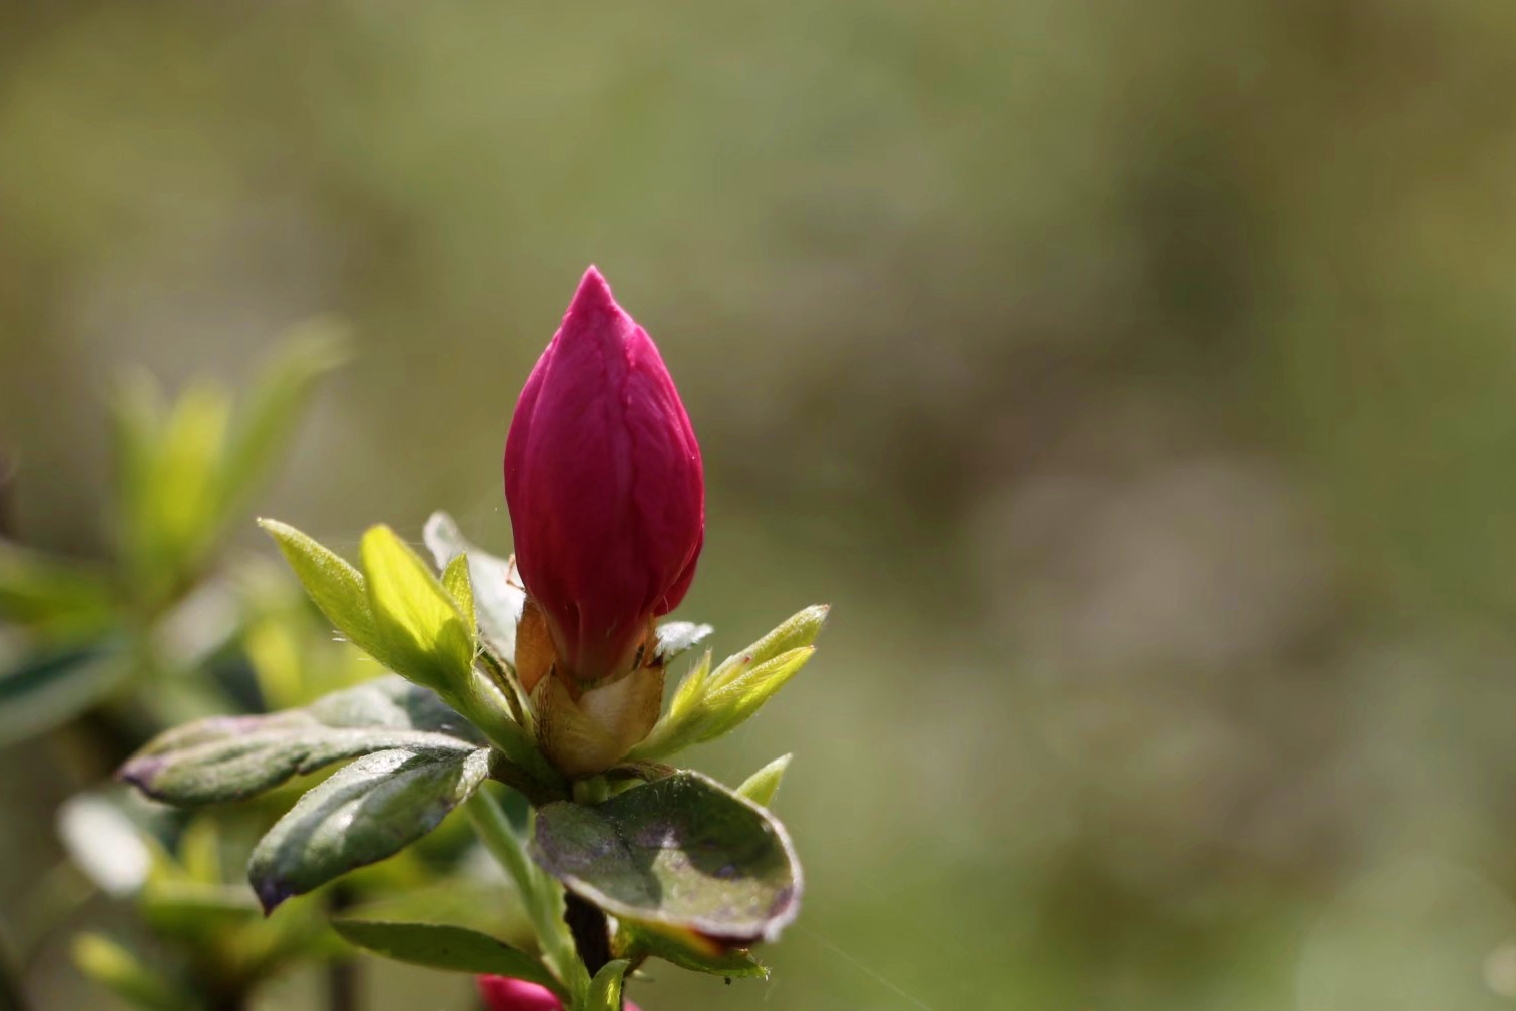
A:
[591,933]
[341,973]
[539,893]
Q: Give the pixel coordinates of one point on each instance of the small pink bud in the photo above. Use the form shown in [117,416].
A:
[502,994]
[604,484]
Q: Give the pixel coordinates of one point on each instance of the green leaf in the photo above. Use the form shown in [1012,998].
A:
[710,703]
[421,628]
[484,903]
[173,508]
[263,424]
[51,596]
[367,811]
[120,971]
[189,909]
[799,630]
[441,946]
[686,949]
[727,704]
[674,637]
[137,412]
[335,586]
[455,581]
[686,700]
[229,758]
[605,988]
[498,594]
[53,685]
[683,853]
[761,786]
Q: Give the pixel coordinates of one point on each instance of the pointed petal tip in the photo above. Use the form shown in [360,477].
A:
[594,293]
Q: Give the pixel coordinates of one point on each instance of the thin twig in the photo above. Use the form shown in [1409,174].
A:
[537,891]
[342,982]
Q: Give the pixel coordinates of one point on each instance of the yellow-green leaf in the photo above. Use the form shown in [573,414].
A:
[761,786]
[336,587]
[420,625]
[455,579]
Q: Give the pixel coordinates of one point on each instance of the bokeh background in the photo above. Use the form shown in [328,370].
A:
[1138,381]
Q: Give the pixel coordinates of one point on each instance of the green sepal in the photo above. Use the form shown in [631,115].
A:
[446,947]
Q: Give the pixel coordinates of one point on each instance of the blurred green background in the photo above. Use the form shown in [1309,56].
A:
[1137,380]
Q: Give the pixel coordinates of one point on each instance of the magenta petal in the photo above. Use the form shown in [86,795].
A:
[502,994]
[604,483]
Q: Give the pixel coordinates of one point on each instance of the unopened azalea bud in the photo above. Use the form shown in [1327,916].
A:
[502,994]
[604,485]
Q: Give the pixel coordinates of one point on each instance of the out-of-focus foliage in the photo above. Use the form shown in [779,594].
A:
[140,633]
[1136,379]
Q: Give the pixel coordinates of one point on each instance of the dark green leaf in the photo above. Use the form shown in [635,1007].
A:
[498,595]
[683,852]
[228,758]
[370,810]
[52,686]
[442,946]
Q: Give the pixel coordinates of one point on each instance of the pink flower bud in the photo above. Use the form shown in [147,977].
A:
[604,485]
[502,994]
